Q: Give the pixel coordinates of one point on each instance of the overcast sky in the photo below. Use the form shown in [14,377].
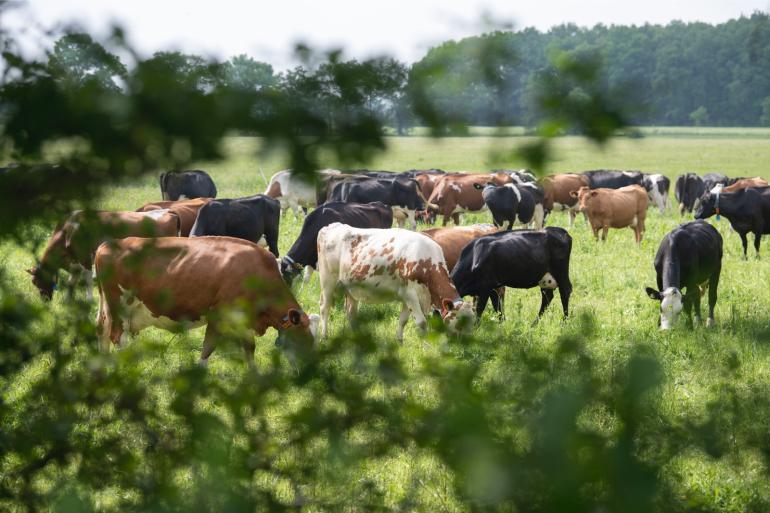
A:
[268,30]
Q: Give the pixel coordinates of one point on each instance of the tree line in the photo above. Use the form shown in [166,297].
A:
[677,74]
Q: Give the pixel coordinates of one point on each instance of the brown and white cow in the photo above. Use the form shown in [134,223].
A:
[457,193]
[74,242]
[174,282]
[378,265]
[187,210]
[614,208]
[558,193]
[293,191]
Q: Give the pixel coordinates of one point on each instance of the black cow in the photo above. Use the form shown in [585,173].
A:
[304,252]
[605,179]
[401,194]
[748,210]
[176,185]
[688,189]
[416,172]
[245,218]
[520,259]
[689,258]
[711,180]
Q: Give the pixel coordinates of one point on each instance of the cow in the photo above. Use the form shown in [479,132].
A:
[519,259]
[689,259]
[177,185]
[657,186]
[748,210]
[711,180]
[558,191]
[248,218]
[457,193]
[304,252]
[426,179]
[606,179]
[509,201]
[742,183]
[688,188]
[174,283]
[401,194]
[291,191]
[327,183]
[376,265]
[187,210]
[614,208]
[73,243]
[519,176]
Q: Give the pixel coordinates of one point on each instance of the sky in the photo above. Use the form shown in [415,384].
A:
[268,30]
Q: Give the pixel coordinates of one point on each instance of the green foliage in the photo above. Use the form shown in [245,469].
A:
[700,116]
[765,119]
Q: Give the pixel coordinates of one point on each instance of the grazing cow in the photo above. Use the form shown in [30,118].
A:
[558,191]
[74,242]
[509,201]
[657,186]
[304,252]
[742,183]
[711,180]
[614,208]
[292,192]
[248,218]
[457,193]
[327,183]
[401,194]
[178,282]
[453,239]
[748,210]
[520,259]
[426,179]
[177,185]
[604,179]
[187,210]
[519,176]
[377,265]
[689,259]
[688,189]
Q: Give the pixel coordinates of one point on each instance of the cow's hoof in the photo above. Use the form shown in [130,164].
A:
[709,322]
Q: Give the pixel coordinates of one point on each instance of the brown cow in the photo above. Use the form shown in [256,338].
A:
[74,242]
[187,210]
[173,282]
[558,193]
[614,208]
[456,193]
[744,183]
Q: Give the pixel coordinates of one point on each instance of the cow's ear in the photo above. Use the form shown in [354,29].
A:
[295,316]
[654,294]
[574,194]
[593,193]
[448,305]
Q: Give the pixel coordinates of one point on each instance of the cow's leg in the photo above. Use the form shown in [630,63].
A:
[713,284]
[745,243]
[605,229]
[351,308]
[696,303]
[308,272]
[327,297]
[445,221]
[539,217]
[757,239]
[546,296]
[111,325]
[687,303]
[209,342]
[271,237]
[403,318]
[572,216]
[481,304]
[497,303]
[412,300]
[412,220]
[456,218]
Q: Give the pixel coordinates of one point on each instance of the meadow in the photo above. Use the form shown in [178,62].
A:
[702,369]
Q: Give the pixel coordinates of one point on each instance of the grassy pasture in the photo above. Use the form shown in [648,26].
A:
[608,282]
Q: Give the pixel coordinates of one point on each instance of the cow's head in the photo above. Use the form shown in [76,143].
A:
[583,195]
[289,269]
[297,330]
[670,305]
[708,205]
[431,212]
[457,315]
[45,281]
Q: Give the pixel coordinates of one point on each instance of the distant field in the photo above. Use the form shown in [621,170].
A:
[608,279]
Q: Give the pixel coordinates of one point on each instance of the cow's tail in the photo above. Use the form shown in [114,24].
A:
[163,193]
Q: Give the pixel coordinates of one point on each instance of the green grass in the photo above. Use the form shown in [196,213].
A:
[608,279]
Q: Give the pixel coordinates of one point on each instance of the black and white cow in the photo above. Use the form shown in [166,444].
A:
[519,259]
[657,186]
[177,185]
[401,194]
[748,210]
[689,259]
[304,252]
[248,218]
[688,189]
[605,179]
[509,201]
[518,175]
[711,180]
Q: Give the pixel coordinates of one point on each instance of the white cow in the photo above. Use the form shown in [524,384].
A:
[379,265]
[292,191]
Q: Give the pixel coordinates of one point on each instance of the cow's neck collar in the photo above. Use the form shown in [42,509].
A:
[292,262]
[286,320]
[716,203]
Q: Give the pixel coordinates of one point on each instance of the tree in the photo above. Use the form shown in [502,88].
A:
[77,59]
[700,116]
[765,119]
[243,72]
